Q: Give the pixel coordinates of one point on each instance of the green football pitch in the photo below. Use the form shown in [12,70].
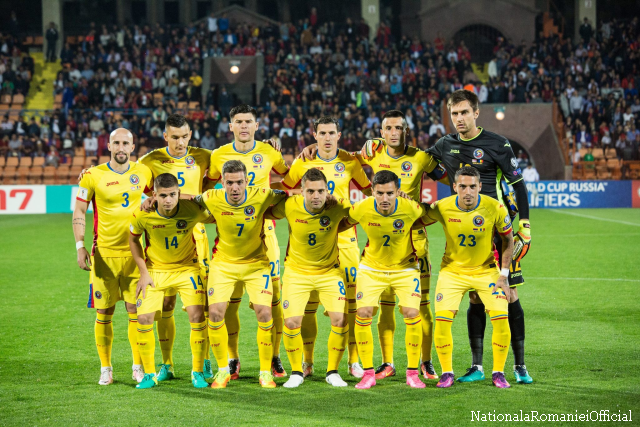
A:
[583,341]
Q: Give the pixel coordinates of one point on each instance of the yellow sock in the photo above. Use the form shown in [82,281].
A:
[293,345]
[265,344]
[444,339]
[197,339]
[309,331]
[232,319]
[413,341]
[500,339]
[104,338]
[167,336]
[353,348]
[338,340]
[146,343]
[133,336]
[278,324]
[386,329]
[427,327]
[219,339]
[364,340]
[206,334]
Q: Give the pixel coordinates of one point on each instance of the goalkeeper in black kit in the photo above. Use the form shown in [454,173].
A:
[493,156]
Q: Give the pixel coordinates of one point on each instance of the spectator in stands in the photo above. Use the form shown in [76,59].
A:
[583,138]
[223,127]
[4,146]
[530,174]
[586,31]
[52,158]
[15,146]
[208,141]
[90,144]
[96,125]
[52,39]
[29,146]
[103,141]
[589,156]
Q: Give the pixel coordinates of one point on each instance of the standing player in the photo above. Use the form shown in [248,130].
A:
[240,260]
[312,265]
[389,260]
[469,220]
[114,189]
[410,164]
[188,164]
[171,264]
[260,159]
[340,169]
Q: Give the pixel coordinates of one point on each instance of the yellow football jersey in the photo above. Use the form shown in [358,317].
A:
[409,167]
[169,240]
[390,246]
[313,238]
[190,169]
[340,171]
[115,196]
[260,160]
[240,228]
[469,234]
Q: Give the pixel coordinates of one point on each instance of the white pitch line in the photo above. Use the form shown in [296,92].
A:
[595,217]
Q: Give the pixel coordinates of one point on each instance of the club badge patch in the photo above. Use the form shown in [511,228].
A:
[181,224]
[210,292]
[249,210]
[339,167]
[398,224]
[325,221]
[478,153]
[257,159]
[98,294]
[190,161]
[133,179]
[407,166]
[138,303]
[478,221]
[285,304]
[439,297]
[359,296]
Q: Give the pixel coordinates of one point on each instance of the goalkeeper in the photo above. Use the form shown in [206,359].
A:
[492,155]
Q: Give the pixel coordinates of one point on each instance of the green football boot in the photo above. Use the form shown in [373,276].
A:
[198,381]
[207,371]
[522,375]
[473,374]
[148,381]
[165,373]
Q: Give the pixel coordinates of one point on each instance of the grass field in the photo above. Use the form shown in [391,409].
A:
[583,341]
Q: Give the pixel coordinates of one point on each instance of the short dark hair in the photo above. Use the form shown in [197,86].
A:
[313,175]
[393,114]
[326,120]
[175,121]
[467,171]
[233,166]
[165,180]
[462,95]
[385,177]
[243,109]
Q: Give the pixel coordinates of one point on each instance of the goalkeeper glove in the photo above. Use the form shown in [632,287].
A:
[371,147]
[522,240]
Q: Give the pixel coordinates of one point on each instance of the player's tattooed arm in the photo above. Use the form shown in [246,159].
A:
[79,228]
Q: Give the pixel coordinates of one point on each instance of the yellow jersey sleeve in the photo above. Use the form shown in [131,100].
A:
[278,165]
[359,177]
[86,187]
[215,167]
[279,210]
[292,179]
[503,220]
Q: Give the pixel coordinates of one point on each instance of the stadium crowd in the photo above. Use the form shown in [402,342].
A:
[136,76]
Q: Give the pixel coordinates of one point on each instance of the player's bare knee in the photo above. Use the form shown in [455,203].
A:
[263,312]
[131,308]
[169,303]
[108,311]
[293,322]
[196,313]
[474,298]
[217,312]
[410,312]
[146,319]
[365,312]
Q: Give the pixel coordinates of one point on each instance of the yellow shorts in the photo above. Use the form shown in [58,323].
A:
[112,280]
[349,260]
[405,284]
[273,253]
[451,288]
[330,287]
[202,249]
[187,283]
[226,277]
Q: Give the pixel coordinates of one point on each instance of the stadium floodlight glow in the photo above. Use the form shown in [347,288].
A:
[499,113]
[234,69]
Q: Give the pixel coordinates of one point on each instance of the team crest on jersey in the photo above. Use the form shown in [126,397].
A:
[478,153]
[134,179]
[439,297]
[210,292]
[138,303]
[359,296]
[190,161]
[257,159]
[98,294]
[325,221]
[249,210]
[285,304]
[514,162]
[478,221]
[398,224]
[339,167]
[181,224]
[407,166]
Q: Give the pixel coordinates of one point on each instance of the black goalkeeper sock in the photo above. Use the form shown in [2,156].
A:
[476,323]
[516,323]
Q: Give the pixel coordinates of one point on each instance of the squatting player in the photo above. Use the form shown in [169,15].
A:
[171,265]
[114,189]
[389,260]
[469,221]
[312,265]
[340,169]
[240,259]
[260,159]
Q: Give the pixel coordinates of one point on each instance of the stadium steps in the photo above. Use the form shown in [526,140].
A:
[40,96]
[482,71]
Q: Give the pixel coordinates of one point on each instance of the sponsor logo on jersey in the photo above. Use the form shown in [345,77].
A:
[454,152]
[478,220]
[324,221]
[181,224]
[167,161]
[285,304]
[514,162]
[398,224]
[98,294]
[382,165]
[227,213]
[454,220]
[478,153]
[190,161]
[359,296]
[210,292]
[301,221]
[339,167]
[134,179]
[257,159]
[439,297]
[407,166]
[373,224]
[249,210]
[158,226]
[112,183]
